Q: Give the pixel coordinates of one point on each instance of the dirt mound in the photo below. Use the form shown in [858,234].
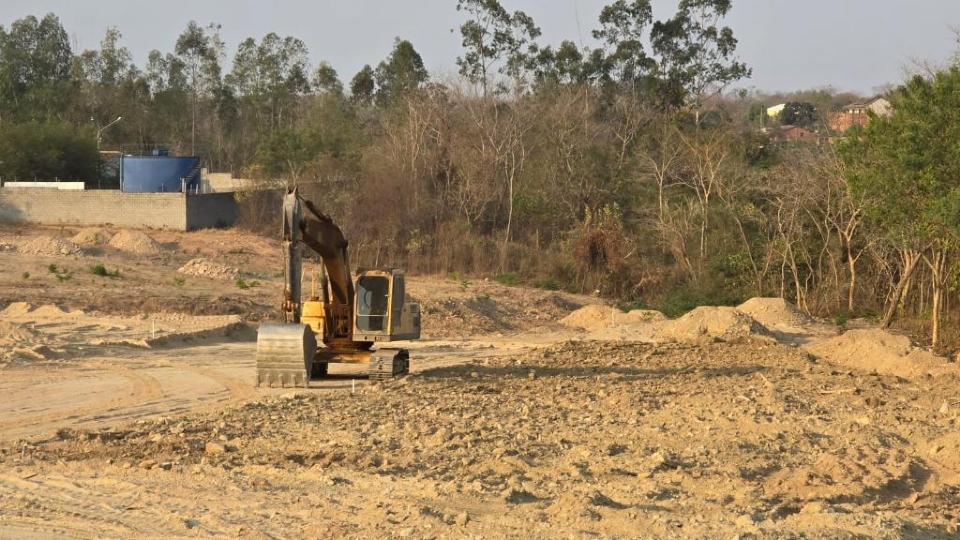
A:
[722,323]
[15,333]
[597,317]
[96,236]
[590,318]
[135,242]
[876,350]
[17,308]
[207,268]
[457,309]
[48,245]
[772,312]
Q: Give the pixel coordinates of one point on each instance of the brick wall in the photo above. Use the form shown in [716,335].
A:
[101,207]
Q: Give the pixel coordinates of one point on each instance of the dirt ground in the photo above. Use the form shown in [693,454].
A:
[127,357]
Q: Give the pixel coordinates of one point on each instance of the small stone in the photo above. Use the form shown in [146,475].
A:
[462,519]
[166,465]
[815,507]
[214,449]
[148,464]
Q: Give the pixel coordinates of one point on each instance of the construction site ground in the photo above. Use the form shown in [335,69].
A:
[126,367]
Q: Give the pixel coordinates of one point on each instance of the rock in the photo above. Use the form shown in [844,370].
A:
[462,519]
[148,464]
[815,507]
[214,449]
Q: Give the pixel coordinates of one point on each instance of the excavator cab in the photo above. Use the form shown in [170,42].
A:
[383,312]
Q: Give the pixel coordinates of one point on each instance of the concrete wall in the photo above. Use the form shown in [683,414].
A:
[102,207]
[224,182]
[55,185]
[210,210]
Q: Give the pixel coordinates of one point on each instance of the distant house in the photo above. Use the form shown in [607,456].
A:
[794,133]
[855,114]
[775,111]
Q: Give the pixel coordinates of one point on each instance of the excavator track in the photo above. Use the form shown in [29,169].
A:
[387,364]
[284,354]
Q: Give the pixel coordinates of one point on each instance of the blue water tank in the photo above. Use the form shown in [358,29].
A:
[151,174]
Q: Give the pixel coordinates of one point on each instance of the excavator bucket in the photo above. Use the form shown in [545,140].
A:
[285,354]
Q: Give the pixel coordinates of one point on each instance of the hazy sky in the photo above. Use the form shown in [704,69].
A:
[855,45]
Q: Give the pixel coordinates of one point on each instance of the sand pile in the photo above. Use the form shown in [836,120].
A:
[597,317]
[95,236]
[723,323]
[207,268]
[47,245]
[135,242]
[590,318]
[876,350]
[773,312]
[15,333]
[16,309]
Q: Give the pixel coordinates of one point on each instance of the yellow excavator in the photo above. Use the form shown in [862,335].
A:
[343,325]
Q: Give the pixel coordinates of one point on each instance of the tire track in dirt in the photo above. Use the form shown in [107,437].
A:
[143,388]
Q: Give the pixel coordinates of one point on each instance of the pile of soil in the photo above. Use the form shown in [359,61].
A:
[48,245]
[876,350]
[15,309]
[454,309]
[597,317]
[135,242]
[95,236]
[773,312]
[207,268]
[590,318]
[15,333]
[709,322]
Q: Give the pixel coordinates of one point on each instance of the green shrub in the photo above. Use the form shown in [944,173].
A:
[548,283]
[100,270]
[510,278]
[25,275]
[53,269]
[179,281]
[241,283]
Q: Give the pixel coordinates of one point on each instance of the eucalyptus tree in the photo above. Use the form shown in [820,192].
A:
[200,51]
[495,41]
[401,73]
[695,55]
[35,62]
[269,78]
[363,86]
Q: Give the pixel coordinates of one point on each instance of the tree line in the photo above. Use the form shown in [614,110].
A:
[626,167]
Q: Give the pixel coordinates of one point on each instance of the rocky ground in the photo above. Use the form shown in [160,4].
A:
[529,414]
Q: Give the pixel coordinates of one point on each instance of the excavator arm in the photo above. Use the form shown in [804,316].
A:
[304,223]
